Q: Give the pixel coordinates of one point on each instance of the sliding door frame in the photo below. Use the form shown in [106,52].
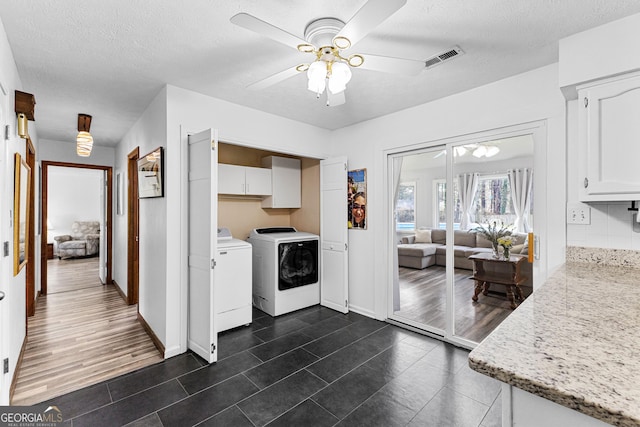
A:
[538,130]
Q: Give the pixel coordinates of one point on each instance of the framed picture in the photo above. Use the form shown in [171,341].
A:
[357,199]
[150,174]
[21,206]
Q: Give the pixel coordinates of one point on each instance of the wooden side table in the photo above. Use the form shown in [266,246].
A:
[49,250]
[507,274]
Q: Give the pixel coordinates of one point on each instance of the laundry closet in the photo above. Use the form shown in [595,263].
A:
[272,201]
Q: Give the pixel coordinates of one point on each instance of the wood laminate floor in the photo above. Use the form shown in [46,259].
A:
[423,297]
[82,333]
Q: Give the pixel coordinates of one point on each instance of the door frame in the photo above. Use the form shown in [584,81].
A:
[43,224]
[133,228]
[31,233]
[538,129]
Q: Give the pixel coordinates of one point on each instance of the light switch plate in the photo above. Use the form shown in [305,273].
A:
[578,213]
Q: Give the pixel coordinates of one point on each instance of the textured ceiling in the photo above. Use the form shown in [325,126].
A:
[110,58]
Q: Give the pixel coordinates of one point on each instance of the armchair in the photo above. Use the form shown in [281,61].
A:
[83,241]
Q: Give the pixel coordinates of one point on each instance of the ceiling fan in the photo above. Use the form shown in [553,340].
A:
[327,40]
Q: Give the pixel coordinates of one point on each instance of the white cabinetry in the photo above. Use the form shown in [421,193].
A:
[529,410]
[609,137]
[243,180]
[285,182]
[233,284]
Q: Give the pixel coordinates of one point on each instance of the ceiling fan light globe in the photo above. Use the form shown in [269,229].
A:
[492,151]
[317,75]
[480,151]
[340,76]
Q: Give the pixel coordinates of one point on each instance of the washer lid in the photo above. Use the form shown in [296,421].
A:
[271,230]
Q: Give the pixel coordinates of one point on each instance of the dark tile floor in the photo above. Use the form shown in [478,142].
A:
[314,367]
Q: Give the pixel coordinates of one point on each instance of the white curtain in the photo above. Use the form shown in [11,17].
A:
[397,168]
[467,188]
[521,183]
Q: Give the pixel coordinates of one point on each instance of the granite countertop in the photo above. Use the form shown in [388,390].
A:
[574,341]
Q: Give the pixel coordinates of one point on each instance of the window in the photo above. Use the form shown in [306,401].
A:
[406,206]
[492,202]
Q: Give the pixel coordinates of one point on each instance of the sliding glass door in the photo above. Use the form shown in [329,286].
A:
[449,202]
[419,288]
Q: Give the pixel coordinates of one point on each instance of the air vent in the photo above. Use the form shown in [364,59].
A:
[444,56]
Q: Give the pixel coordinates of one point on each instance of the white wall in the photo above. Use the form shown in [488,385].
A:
[62,151]
[527,97]
[12,308]
[581,55]
[148,133]
[73,195]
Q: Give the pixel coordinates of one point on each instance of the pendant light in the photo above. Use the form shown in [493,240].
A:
[84,140]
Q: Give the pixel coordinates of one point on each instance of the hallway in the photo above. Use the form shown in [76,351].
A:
[82,333]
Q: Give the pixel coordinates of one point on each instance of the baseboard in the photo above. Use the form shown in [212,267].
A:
[152,335]
[362,311]
[124,297]
[14,380]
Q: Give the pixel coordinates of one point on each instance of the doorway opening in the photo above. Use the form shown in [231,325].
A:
[62,172]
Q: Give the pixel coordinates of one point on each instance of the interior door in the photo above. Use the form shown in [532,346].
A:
[334,283]
[102,270]
[202,220]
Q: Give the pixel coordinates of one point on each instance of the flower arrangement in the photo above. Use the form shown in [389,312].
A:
[506,242]
[494,233]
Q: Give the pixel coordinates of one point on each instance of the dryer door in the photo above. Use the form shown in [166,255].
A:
[298,262]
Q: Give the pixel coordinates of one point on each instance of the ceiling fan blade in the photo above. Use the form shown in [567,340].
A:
[263,28]
[276,78]
[335,100]
[372,14]
[386,64]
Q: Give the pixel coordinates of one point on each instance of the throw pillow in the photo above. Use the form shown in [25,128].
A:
[423,236]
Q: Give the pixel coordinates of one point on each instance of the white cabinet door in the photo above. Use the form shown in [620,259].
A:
[257,181]
[334,286]
[286,182]
[243,180]
[230,179]
[609,134]
[203,238]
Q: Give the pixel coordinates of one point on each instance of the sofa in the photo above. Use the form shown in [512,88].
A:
[84,240]
[427,247]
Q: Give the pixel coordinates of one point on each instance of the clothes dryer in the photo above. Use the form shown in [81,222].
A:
[285,269]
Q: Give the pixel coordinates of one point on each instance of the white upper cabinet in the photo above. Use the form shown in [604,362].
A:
[285,182]
[243,180]
[609,139]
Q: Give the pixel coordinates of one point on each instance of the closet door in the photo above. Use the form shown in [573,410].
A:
[334,284]
[203,218]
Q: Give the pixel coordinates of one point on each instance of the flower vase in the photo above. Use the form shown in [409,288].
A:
[496,251]
[506,253]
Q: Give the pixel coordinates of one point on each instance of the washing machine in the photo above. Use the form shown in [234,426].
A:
[233,283]
[285,269]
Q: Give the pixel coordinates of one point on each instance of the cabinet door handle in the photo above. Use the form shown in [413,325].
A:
[586,182]
[1,295]
[586,102]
